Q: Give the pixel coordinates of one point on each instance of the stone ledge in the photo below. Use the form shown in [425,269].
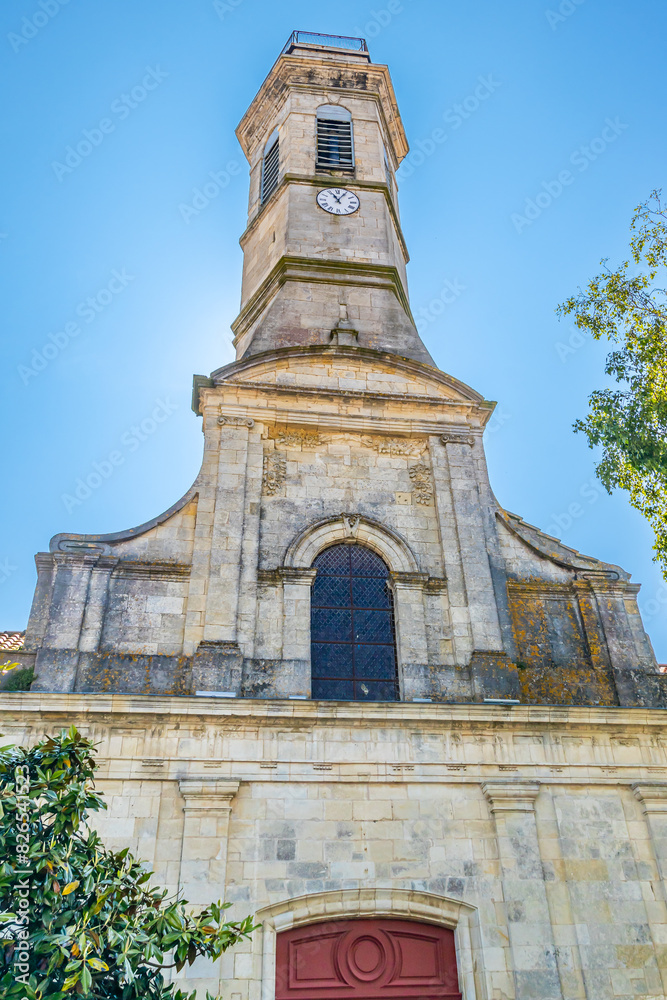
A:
[381,713]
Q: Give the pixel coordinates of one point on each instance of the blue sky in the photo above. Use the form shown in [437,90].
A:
[550,110]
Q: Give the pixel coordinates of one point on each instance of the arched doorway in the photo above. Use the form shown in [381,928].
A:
[367,959]
[353,646]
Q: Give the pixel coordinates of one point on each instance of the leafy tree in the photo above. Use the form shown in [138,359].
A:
[629,422]
[76,918]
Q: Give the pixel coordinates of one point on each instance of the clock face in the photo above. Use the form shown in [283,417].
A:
[338,201]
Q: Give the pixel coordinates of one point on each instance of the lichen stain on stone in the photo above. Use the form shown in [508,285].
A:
[559,654]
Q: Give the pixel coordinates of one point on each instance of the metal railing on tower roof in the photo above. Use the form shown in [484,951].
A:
[326,41]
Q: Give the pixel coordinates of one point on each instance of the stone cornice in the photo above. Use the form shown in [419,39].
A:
[337,73]
[337,421]
[150,708]
[312,269]
[373,357]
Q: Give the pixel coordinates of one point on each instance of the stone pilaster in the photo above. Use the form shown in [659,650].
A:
[411,642]
[247,606]
[629,652]
[98,592]
[469,526]
[653,798]
[222,597]
[207,808]
[512,804]
[295,669]
[40,610]
[57,661]
[456,587]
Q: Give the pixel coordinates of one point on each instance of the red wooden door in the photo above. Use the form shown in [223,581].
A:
[367,960]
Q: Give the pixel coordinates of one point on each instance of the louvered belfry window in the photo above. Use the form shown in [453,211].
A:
[335,148]
[270,166]
[353,647]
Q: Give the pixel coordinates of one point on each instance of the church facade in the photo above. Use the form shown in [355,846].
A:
[337,683]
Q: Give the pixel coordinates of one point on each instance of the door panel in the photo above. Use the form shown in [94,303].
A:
[367,960]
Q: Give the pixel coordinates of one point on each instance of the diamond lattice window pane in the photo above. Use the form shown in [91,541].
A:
[332,659]
[334,690]
[374,691]
[366,563]
[370,592]
[331,625]
[375,662]
[330,592]
[372,626]
[335,560]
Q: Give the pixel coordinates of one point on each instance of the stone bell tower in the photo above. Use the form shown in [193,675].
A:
[324,118]
[341,541]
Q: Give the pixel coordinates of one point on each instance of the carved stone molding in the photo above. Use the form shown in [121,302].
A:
[286,574]
[232,421]
[275,472]
[422,484]
[301,437]
[208,796]
[388,544]
[297,575]
[416,580]
[457,437]
[652,795]
[399,446]
[351,524]
[511,796]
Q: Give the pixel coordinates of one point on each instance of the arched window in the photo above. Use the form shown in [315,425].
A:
[353,649]
[270,166]
[335,149]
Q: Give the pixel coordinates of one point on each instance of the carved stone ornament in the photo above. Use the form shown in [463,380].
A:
[351,524]
[235,421]
[400,446]
[301,437]
[422,484]
[457,437]
[275,471]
